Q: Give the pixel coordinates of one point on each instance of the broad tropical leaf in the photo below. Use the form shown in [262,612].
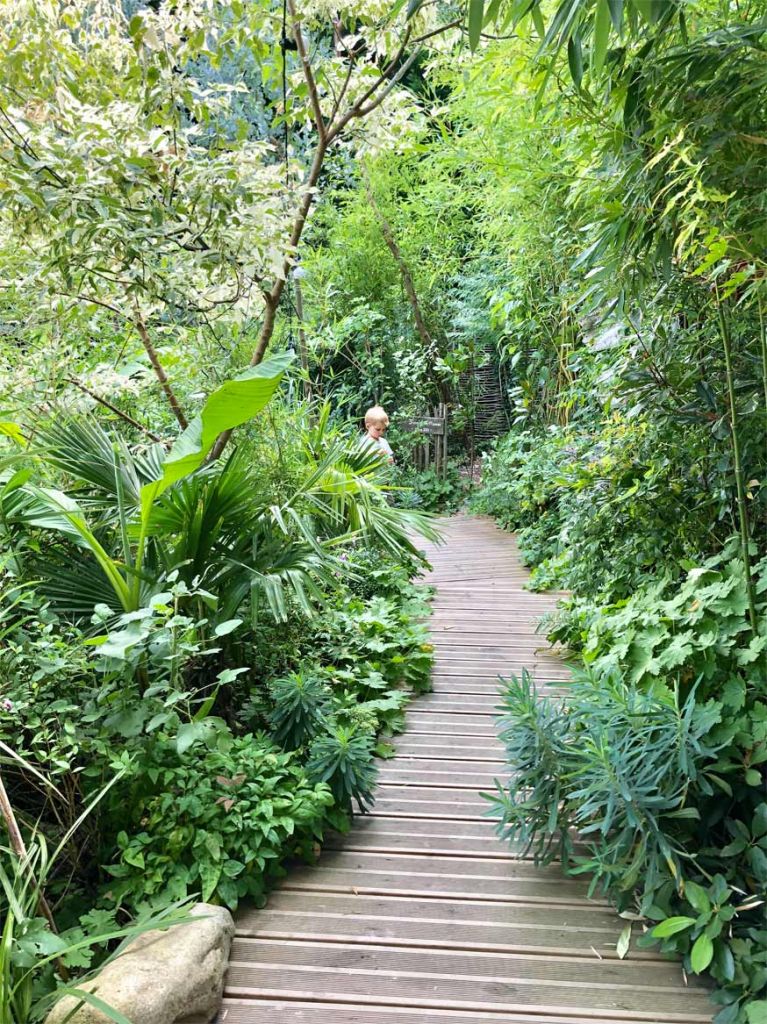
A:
[233,403]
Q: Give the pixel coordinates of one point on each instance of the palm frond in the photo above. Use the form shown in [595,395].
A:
[74,586]
[96,461]
[346,491]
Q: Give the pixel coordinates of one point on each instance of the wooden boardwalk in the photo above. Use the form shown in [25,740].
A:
[420,915]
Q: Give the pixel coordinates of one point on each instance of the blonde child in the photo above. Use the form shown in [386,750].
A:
[376,422]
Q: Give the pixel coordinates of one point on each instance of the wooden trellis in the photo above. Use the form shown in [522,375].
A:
[432,451]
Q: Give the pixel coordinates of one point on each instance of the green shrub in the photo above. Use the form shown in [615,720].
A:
[596,508]
[696,629]
[670,822]
[429,489]
[380,635]
[656,757]
[218,823]
[343,758]
[299,701]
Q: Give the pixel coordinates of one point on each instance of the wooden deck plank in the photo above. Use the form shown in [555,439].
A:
[338,983]
[420,915]
[657,975]
[236,1011]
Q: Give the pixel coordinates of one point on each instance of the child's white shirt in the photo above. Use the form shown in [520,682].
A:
[380,442]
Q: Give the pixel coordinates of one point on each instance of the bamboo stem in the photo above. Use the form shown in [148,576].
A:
[763,346]
[739,484]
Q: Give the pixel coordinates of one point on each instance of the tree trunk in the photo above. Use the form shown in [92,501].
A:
[407,281]
[407,277]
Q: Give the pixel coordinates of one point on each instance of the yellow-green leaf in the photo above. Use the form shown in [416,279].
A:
[702,953]
[12,430]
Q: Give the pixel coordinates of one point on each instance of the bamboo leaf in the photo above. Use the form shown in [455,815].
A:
[575,58]
[476,15]
[648,9]
[616,13]
[538,21]
[601,36]
[563,23]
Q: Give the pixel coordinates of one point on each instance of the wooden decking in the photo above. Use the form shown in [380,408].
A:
[420,915]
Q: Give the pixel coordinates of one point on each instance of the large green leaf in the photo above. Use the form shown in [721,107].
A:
[671,926]
[230,405]
[67,511]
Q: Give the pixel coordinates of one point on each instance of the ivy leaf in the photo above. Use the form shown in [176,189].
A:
[678,651]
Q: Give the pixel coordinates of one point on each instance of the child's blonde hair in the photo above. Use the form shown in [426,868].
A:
[376,417]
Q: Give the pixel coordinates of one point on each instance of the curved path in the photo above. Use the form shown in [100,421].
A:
[420,915]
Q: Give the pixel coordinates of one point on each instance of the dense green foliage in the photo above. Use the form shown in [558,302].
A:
[632,318]
[225,231]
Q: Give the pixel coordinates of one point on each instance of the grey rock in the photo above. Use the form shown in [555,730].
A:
[163,977]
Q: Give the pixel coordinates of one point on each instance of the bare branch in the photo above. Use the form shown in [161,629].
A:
[393,83]
[157,366]
[92,300]
[379,82]
[311,83]
[344,89]
[113,408]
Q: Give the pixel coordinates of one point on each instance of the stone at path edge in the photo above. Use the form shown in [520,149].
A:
[163,976]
